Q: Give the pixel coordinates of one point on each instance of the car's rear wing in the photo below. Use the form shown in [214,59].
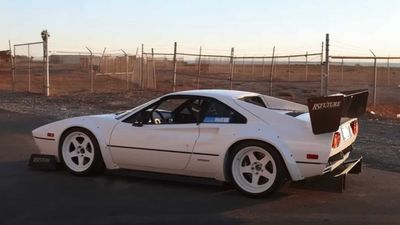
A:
[326,112]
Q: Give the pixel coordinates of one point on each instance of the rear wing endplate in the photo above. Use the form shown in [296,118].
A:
[326,112]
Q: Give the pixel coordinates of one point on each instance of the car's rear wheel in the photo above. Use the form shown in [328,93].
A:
[256,169]
[80,152]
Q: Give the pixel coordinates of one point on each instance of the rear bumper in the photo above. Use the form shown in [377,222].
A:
[353,166]
[338,175]
[334,180]
[338,159]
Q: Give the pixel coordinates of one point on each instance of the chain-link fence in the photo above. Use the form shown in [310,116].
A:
[382,78]
[73,72]
[28,68]
[291,76]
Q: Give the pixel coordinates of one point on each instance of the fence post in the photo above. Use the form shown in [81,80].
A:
[243,66]
[388,72]
[12,65]
[101,61]
[263,67]
[375,76]
[252,68]
[126,69]
[154,69]
[326,75]
[289,68]
[322,70]
[90,69]
[306,66]
[29,68]
[272,71]
[341,72]
[231,70]
[141,68]
[106,64]
[147,80]
[199,70]
[375,79]
[134,67]
[15,70]
[174,74]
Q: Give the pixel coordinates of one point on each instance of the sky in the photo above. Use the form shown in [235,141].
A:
[251,27]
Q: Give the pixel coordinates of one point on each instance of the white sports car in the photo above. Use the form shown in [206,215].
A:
[251,140]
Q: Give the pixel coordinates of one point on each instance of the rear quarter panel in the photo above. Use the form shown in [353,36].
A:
[297,138]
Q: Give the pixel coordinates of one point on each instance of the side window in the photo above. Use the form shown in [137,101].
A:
[217,112]
[177,110]
[256,100]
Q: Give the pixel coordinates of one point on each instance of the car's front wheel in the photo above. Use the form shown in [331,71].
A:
[256,169]
[80,152]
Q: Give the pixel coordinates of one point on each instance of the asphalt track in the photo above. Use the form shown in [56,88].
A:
[36,197]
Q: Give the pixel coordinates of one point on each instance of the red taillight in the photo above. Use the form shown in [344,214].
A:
[336,140]
[354,127]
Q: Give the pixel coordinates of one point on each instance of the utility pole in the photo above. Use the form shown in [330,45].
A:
[326,75]
[45,37]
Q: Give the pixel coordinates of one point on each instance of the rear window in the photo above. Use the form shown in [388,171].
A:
[256,100]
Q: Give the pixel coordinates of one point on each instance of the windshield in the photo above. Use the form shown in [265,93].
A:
[121,114]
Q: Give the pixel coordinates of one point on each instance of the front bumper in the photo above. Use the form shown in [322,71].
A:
[43,162]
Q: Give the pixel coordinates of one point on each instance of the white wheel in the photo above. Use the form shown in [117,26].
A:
[80,152]
[256,170]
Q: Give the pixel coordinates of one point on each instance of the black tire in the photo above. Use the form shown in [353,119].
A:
[280,169]
[97,164]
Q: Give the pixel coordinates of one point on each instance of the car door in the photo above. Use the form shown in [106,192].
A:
[160,136]
[219,126]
